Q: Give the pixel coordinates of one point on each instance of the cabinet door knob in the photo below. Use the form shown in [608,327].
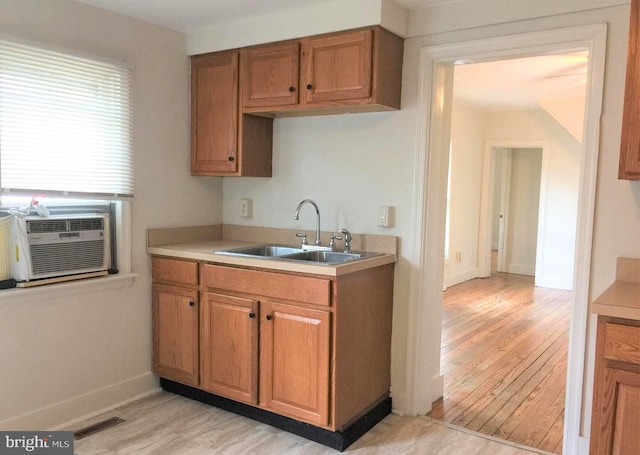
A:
[252,315]
[292,89]
[309,86]
[192,303]
[269,317]
[231,158]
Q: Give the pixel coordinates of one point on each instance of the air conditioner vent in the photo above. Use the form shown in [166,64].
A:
[67,257]
[75,224]
[43,226]
[86,224]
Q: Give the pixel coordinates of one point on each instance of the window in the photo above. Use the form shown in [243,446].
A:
[65,124]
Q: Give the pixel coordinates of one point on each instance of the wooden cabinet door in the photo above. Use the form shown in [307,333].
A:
[175,333]
[616,390]
[629,166]
[336,67]
[294,361]
[270,75]
[214,113]
[229,347]
[615,429]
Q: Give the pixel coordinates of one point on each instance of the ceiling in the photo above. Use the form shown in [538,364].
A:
[519,83]
[508,84]
[184,15]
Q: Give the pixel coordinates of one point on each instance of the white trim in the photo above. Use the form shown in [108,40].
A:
[64,413]
[423,384]
[426,280]
[541,235]
[521,269]
[488,178]
[584,238]
[66,289]
[460,277]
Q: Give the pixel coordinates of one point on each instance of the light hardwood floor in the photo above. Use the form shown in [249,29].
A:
[504,357]
[167,424]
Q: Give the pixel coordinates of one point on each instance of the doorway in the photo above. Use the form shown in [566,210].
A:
[504,340]
[516,201]
[424,381]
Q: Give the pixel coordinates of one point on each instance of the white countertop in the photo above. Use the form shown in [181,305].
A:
[205,251]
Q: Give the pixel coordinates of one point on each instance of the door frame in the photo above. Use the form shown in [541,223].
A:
[424,381]
[486,205]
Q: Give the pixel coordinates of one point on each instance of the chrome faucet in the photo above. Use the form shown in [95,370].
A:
[347,240]
[297,216]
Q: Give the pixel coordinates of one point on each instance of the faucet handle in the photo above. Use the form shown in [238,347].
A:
[303,236]
[332,241]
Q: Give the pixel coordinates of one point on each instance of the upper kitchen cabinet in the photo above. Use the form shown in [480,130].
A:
[270,75]
[629,166]
[354,71]
[336,67]
[224,141]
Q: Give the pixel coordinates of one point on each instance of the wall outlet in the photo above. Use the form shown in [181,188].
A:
[246,208]
[384,216]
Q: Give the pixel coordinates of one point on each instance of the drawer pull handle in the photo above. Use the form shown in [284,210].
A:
[269,317]
[292,89]
[192,303]
[309,86]
[252,315]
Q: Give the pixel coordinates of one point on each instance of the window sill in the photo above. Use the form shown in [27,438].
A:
[67,289]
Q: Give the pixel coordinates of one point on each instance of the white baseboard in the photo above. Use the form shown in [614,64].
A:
[460,277]
[521,269]
[437,385]
[65,413]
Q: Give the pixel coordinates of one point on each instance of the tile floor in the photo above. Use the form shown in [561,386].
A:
[167,424]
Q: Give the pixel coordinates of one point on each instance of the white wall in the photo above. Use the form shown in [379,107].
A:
[555,262]
[467,146]
[470,130]
[81,351]
[348,164]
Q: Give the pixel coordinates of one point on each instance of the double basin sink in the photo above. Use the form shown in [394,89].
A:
[288,253]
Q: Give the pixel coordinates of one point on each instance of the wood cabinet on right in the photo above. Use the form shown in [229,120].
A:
[629,165]
[616,403]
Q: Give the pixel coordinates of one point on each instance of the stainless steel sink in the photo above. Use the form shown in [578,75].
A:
[289,253]
[325,257]
[261,250]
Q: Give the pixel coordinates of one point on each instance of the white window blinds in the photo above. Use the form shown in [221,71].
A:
[65,124]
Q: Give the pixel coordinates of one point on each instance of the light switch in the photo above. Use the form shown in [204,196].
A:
[246,208]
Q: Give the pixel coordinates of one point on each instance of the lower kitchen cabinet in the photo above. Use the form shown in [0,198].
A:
[312,348]
[294,361]
[175,320]
[616,403]
[229,342]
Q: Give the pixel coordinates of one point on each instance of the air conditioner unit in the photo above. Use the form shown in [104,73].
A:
[59,246]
